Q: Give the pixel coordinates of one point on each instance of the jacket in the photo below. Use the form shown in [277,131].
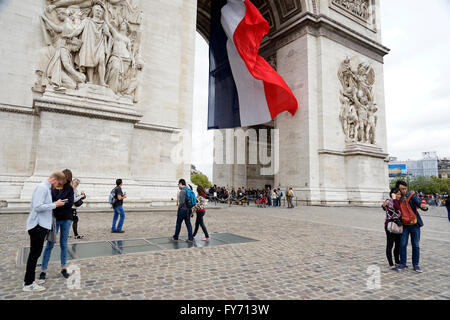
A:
[201,204]
[64,212]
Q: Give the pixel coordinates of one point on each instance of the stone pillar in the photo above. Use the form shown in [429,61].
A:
[316,156]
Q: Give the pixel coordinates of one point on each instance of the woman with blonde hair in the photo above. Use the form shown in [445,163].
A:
[78,201]
[62,224]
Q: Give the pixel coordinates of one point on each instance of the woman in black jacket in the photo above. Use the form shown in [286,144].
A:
[63,216]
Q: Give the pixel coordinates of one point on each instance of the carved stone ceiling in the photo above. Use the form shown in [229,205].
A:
[275,12]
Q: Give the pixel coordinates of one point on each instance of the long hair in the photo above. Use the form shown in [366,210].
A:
[201,191]
[68,175]
[75,183]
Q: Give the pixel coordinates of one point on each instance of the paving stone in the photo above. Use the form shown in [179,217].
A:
[304,253]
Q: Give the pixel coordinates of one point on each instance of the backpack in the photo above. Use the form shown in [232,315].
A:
[112,197]
[191,199]
[409,218]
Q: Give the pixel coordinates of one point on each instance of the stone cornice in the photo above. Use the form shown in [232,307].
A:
[357,149]
[16,109]
[91,112]
[155,127]
[321,25]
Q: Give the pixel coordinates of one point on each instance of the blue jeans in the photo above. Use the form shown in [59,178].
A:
[275,202]
[269,201]
[118,211]
[183,215]
[414,231]
[64,236]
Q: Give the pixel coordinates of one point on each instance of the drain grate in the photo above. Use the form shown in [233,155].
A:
[83,250]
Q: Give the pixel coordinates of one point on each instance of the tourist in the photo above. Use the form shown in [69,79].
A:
[410,200]
[119,196]
[39,223]
[183,213]
[63,217]
[200,209]
[447,205]
[269,197]
[288,198]
[78,201]
[274,196]
[291,197]
[393,214]
[280,196]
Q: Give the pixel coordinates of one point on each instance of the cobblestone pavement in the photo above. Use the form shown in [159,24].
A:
[304,253]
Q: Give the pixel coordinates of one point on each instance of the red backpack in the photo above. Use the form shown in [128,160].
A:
[409,218]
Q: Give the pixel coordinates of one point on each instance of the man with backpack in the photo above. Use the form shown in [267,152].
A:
[116,200]
[412,222]
[280,196]
[187,201]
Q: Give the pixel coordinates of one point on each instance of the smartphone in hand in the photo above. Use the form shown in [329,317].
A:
[65,200]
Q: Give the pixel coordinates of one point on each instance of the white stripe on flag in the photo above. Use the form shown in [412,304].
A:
[253,106]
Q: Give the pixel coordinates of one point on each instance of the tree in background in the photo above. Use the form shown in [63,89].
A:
[201,180]
[426,185]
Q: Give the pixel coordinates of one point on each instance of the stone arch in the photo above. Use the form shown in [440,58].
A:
[278,13]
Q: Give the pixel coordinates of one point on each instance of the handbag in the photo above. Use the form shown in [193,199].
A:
[392,227]
[78,203]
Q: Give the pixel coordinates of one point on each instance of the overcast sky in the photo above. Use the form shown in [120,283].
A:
[417,82]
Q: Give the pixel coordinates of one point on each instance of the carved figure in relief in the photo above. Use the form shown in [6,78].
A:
[58,51]
[60,71]
[96,45]
[357,7]
[121,59]
[372,124]
[358,109]
[117,8]
[93,41]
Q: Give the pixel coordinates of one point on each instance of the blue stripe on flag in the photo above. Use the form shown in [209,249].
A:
[223,102]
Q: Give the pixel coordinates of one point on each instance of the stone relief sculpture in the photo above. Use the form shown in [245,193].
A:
[91,41]
[359,8]
[358,108]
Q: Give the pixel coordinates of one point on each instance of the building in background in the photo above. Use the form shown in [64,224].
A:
[426,167]
[444,168]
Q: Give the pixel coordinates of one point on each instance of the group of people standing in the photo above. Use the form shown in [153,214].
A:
[53,209]
[266,197]
[402,222]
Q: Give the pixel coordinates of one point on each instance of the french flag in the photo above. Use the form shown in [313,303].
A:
[244,90]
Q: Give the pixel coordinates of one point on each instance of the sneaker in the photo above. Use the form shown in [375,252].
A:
[64,273]
[41,278]
[34,287]
[189,241]
[80,236]
[417,269]
[400,268]
[205,239]
[120,231]
[173,240]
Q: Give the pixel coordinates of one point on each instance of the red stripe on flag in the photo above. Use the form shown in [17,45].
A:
[247,39]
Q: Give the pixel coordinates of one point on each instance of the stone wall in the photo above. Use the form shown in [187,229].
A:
[95,139]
